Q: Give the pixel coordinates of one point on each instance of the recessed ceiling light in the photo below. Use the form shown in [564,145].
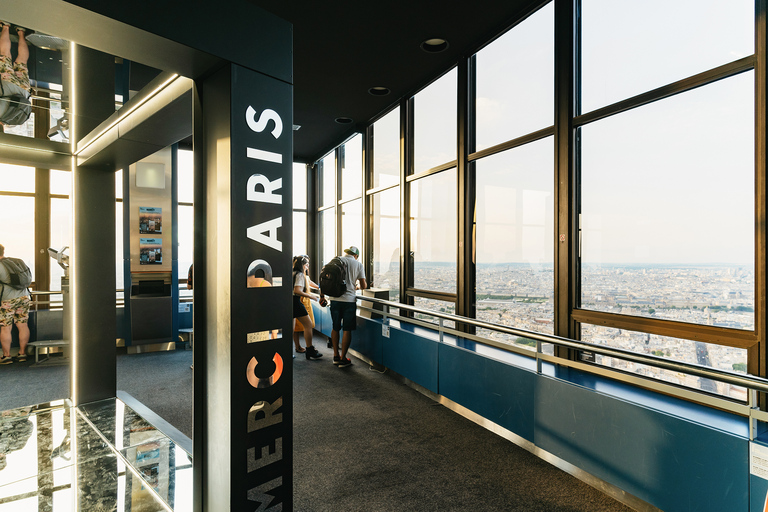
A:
[378,91]
[344,120]
[434,45]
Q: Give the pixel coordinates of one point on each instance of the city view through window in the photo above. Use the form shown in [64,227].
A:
[666,190]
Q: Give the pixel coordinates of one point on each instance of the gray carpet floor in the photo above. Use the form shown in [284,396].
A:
[363,441]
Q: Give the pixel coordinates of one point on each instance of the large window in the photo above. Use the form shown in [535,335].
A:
[386,241]
[352,167]
[667,196]
[645,212]
[434,134]
[433,232]
[515,238]
[328,237]
[17,231]
[326,172]
[352,224]
[668,208]
[515,81]
[628,49]
[386,150]
[299,209]
[17,196]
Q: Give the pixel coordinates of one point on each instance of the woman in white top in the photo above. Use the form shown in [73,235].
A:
[301,289]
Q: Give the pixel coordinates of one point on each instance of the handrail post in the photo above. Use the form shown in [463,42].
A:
[753,406]
[538,359]
[440,329]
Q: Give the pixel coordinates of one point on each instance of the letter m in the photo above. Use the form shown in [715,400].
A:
[259,495]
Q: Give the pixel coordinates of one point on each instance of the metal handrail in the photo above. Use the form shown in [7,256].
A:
[746,381]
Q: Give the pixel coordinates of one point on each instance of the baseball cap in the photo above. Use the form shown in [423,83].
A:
[352,250]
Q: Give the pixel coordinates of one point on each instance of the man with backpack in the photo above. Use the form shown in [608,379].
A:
[344,306]
[15,277]
[15,106]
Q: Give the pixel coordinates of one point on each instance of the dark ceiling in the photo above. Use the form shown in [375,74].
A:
[345,47]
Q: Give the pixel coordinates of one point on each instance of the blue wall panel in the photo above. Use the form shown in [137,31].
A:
[497,391]
[368,341]
[322,319]
[411,356]
[673,454]
[670,462]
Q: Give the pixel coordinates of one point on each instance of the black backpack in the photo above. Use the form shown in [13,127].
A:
[19,108]
[19,275]
[333,278]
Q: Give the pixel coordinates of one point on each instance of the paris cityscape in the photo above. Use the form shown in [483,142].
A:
[521,295]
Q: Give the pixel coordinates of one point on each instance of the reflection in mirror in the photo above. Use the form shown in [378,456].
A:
[260,275]
[35,72]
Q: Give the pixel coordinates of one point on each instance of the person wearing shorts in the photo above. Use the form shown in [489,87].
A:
[344,308]
[14,310]
[14,73]
[300,315]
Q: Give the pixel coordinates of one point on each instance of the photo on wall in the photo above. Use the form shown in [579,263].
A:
[150,251]
[150,220]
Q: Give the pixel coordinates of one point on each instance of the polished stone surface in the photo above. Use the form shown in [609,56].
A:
[57,458]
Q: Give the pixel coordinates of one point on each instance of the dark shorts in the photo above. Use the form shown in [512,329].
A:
[344,313]
[298,308]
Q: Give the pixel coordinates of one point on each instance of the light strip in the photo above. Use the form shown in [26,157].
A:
[73,246]
[27,148]
[127,113]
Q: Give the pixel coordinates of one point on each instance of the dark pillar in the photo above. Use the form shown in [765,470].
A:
[243,372]
[567,284]
[92,261]
[42,204]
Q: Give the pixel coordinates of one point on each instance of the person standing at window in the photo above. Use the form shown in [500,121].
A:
[300,316]
[344,308]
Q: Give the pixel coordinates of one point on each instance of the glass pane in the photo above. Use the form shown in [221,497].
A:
[186,175]
[326,170]
[186,239]
[435,305]
[17,178]
[516,80]
[119,270]
[435,123]
[668,208]
[299,233]
[433,232]
[386,241]
[386,150]
[515,341]
[61,236]
[628,50]
[352,225]
[515,237]
[687,351]
[299,187]
[328,234]
[17,230]
[61,182]
[352,168]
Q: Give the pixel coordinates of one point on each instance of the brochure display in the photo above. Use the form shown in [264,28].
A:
[150,220]
[151,251]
